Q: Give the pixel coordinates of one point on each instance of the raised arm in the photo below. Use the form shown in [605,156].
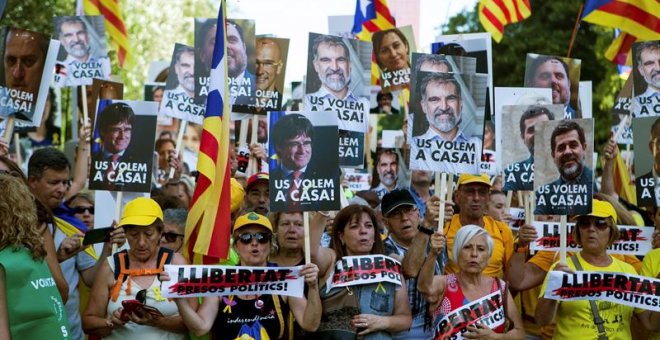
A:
[416,254]
[322,257]
[430,285]
[307,311]
[81,168]
[522,275]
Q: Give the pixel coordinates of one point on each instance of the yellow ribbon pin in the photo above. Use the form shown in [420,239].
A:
[380,287]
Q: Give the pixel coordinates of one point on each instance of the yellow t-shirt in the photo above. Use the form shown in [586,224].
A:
[544,259]
[651,268]
[502,245]
[574,318]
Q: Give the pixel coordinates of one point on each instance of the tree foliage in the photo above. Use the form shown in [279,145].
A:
[548,31]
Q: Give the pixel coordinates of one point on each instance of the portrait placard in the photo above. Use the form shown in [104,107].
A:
[392,49]
[178,98]
[646,133]
[560,74]
[646,78]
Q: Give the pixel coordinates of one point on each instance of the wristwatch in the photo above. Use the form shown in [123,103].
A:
[425,230]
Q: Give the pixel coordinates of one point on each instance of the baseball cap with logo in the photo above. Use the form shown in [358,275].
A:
[252,218]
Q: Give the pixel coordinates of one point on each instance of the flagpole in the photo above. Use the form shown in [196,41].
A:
[575,29]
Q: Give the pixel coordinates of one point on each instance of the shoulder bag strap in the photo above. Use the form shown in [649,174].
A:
[598,321]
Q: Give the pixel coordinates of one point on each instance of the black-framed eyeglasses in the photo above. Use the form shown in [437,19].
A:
[262,238]
[585,222]
[81,210]
[141,296]
[400,212]
[171,236]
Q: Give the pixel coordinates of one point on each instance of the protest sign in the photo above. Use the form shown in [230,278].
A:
[517,218]
[621,110]
[358,180]
[205,30]
[305,175]
[442,63]
[23,91]
[514,96]
[541,70]
[122,161]
[83,53]
[646,133]
[194,281]
[179,92]
[487,311]
[243,135]
[622,288]
[392,50]
[518,128]
[337,82]
[384,102]
[448,125]
[632,240]
[646,80]
[241,64]
[564,181]
[271,66]
[360,270]
[476,45]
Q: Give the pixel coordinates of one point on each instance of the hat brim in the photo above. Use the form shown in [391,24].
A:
[138,221]
[385,213]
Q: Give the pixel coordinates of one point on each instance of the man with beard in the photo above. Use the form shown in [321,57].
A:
[80,66]
[442,105]
[332,63]
[178,101]
[568,149]
[23,61]
[648,185]
[552,72]
[242,83]
[387,167]
[269,67]
[520,175]
[648,64]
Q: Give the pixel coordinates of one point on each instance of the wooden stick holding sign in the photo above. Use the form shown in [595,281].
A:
[84,101]
[529,210]
[562,239]
[509,197]
[9,130]
[17,143]
[253,164]
[450,188]
[120,197]
[179,140]
[440,185]
[308,252]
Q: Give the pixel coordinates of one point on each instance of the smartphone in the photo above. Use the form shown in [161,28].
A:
[130,306]
[99,235]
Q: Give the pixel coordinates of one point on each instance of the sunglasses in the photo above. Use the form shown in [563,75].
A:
[585,223]
[81,210]
[262,238]
[171,237]
[141,296]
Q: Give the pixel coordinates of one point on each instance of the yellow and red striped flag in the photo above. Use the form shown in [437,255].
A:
[637,19]
[372,16]
[208,227]
[495,14]
[114,24]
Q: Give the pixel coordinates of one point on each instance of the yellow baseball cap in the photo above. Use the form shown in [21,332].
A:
[469,178]
[141,211]
[602,209]
[252,218]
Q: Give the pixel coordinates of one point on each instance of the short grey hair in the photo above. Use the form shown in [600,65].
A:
[176,216]
[467,233]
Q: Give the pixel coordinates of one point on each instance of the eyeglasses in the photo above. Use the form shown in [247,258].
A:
[246,238]
[399,213]
[585,222]
[81,210]
[267,63]
[171,236]
[141,296]
[295,145]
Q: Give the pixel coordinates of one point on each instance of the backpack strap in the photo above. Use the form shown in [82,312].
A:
[123,271]
[598,321]
[121,263]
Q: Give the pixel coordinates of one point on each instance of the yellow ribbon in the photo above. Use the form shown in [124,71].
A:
[380,287]
[158,296]
[227,308]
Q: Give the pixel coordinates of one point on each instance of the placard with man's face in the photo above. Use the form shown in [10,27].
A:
[271,57]
[241,64]
[646,77]
[519,124]
[304,172]
[560,74]
[178,98]
[123,160]
[646,132]
[28,59]
[447,124]
[83,55]
[564,181]
[621,110]
[337,83]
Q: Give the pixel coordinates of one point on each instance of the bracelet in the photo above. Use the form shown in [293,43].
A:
[425,230]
